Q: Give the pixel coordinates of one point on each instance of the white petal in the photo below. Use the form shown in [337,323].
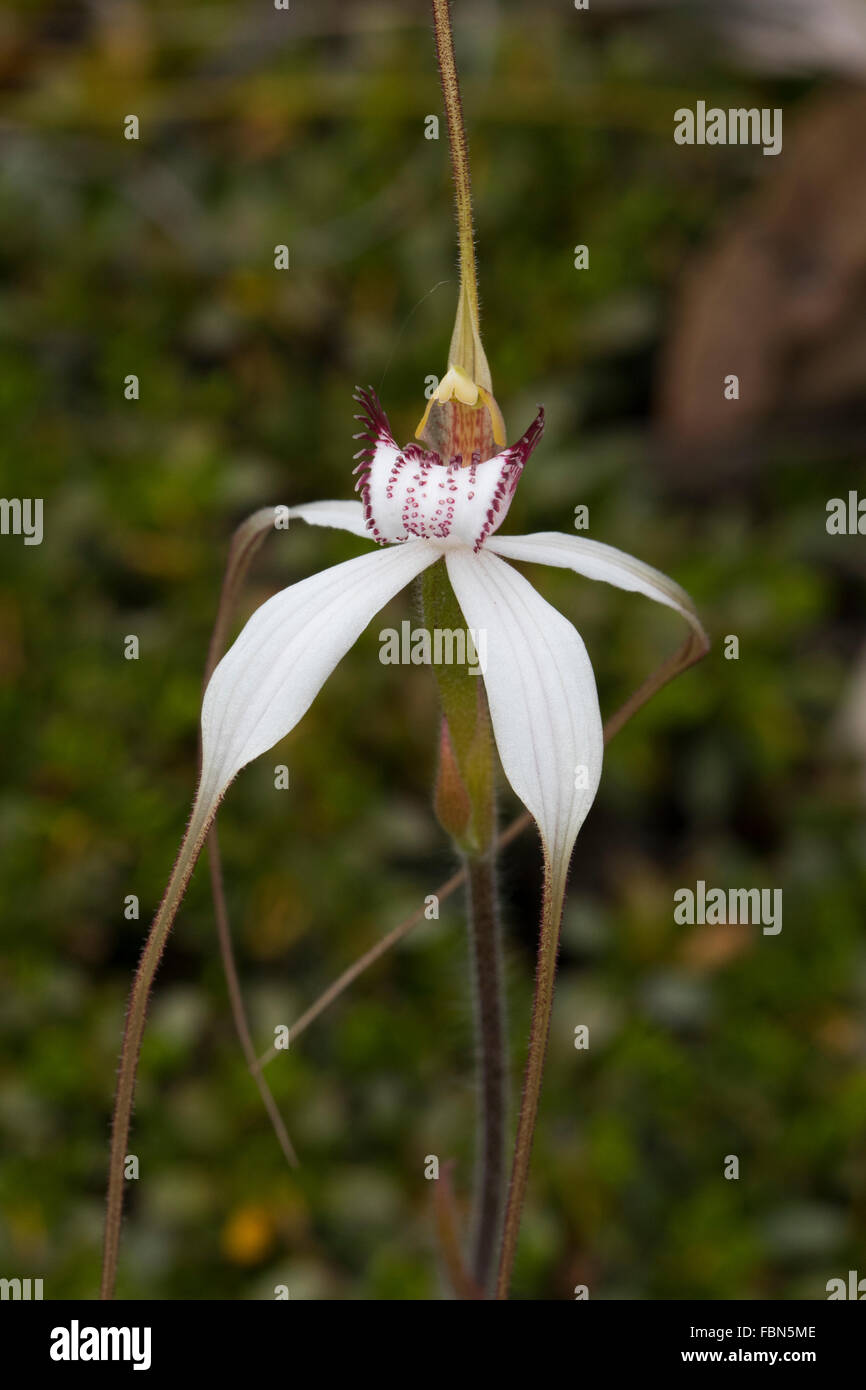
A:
[601,562]
[267,681]
[542,696]
[345,516]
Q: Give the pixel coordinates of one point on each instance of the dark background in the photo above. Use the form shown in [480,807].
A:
[156,258]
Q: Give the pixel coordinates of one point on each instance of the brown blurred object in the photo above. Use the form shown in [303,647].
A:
[796,35]
[848,732]
[779,299]
[714,947]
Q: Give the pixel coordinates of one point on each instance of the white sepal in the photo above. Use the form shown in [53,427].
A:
[269,678]
[542,696]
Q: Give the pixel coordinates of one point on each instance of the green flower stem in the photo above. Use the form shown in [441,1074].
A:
[466,807]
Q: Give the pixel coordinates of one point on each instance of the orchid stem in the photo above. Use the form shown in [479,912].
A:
[459,150]
[493,1099]
[466,350]
[190,849]
[542,1008]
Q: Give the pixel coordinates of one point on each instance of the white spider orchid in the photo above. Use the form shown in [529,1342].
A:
[420,507]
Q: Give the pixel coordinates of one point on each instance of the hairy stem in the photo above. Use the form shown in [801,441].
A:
[459,149]
[542,1008]
[466,348]
[485,943]
[190,849]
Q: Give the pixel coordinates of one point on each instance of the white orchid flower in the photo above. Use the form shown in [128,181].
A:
[418,508]
[443,499]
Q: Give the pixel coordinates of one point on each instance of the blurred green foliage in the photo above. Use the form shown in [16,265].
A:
[156,258]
